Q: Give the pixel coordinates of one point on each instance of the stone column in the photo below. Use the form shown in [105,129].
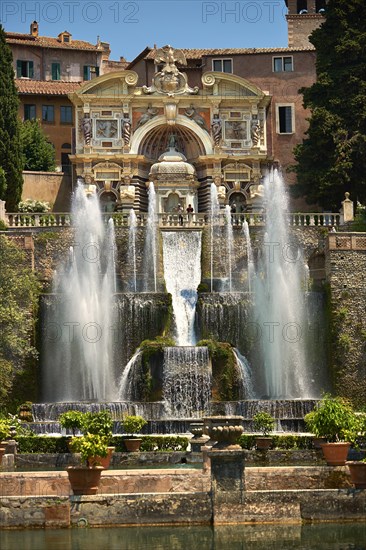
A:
[227,478]
[347,214]
[2,212]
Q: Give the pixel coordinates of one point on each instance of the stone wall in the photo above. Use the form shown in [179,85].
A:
[346,266]
[52,187]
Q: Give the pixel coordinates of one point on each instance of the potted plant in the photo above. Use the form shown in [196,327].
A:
[357,468]
[263,422]
[84,480]
[334,419]
[100,423]
[71,420]
[4,434]
[133,425]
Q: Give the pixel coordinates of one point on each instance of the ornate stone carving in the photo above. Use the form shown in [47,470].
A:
[216,129]
[171,113]
[148,115]
[221,192]
[126,129]
[127,193]
[87,129]
[192,113]
[170,81]
[256,132]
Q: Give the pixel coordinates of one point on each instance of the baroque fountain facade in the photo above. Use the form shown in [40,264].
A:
[229,271]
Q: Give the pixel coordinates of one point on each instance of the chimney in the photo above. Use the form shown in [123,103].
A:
[34,28]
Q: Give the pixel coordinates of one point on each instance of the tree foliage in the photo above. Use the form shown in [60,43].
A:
[38,153]
[332,158]
[19,291]
[10,151]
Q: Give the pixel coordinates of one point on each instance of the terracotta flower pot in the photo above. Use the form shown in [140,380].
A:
[133,445]
[84,481]
[335,453]
[263,443]
[358,473]
[103,461]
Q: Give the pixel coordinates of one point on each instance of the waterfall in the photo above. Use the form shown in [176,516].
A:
[187,381]
[127,379]
[279,302]
[245,374]
[214,221]
[131,256]
[229,242]
[150,252]
[182,272]
[249,254]
[77,340]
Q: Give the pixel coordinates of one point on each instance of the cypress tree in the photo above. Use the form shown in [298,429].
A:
[332,158]
[10,149]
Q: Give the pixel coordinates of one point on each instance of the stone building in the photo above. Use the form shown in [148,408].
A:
[183,119]
[47,69]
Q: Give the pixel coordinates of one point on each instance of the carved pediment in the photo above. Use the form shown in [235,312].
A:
[109,85]
[230,85]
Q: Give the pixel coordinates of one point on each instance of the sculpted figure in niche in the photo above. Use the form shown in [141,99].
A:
[256,133]
[126,129]
[87,129]
[148,115]
[216,129]
[192,113]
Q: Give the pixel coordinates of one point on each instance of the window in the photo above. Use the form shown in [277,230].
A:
[25,69]
[282,64]
[48,113]
[56,71]
[90,72]
[66,114]
[29,111]
[285,123]
[222,65]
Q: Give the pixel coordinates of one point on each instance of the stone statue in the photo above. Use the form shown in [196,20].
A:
[87,129]
[148,115]
[127,193]
[221,192]
[192,113]
[216,129]
[256,133]
[126,129]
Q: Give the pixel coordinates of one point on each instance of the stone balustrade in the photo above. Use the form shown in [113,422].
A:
[170,220]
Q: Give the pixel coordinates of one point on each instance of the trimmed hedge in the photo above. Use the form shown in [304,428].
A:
[247,441]
[45,444]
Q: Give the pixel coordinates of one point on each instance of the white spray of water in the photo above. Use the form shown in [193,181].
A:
[150,252]
[125,384]
[251,269]
[182,272]
[279,301]
[78,362]
[132,222]
[229,244]
[245,374]
[214,221]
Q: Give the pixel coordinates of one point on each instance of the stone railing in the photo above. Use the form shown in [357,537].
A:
[121,219]
[347,241]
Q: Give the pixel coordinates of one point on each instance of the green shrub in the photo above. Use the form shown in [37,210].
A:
[154,443]
[71,420]
[42,444]
[89,446]
[98,423]
[334,419]
[133,424]
[280,442]
[263,422]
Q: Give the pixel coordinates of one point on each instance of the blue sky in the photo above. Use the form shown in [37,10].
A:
[129,26]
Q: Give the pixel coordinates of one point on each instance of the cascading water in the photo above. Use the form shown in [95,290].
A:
[187,381]
[279,302]
[127,379]
[229,242]
[250,270]
[214,223]
[246,375]
[150,252]
[77,338]
[131,257]
[182,272]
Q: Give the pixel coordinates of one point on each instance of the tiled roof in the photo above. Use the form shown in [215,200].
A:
[199,53]
[46,87]
[48,42]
